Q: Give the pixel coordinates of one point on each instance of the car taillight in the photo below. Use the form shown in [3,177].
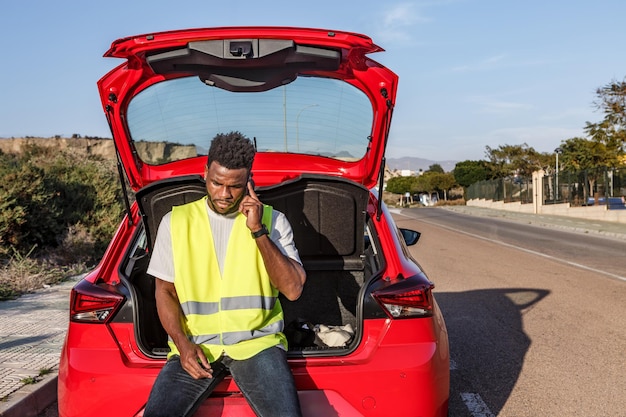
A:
[90,303]
[406,301]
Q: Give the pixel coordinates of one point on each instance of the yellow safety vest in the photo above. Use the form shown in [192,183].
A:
[237,313]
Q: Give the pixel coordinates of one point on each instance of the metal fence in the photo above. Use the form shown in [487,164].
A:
[510,189]
[584,188]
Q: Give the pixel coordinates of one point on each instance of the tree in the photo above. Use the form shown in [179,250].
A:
[612,102]
[468,172]
[605,145]
[611,131]
[515,160]
[422,184]
[436,168]
[441,181]
[581,154]
[400,185]
[433,181]
[612,140]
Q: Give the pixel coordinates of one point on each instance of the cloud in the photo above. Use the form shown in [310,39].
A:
[402,15]
[575,113]
[489,63]
[498,62]
[398,21]
[493,105]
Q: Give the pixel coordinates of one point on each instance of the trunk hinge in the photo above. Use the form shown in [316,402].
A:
[120,170]
[383,161]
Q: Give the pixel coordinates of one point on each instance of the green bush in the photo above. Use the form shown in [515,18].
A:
[29,208]
[46,195]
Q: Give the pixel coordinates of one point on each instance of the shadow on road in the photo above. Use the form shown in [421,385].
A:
[487,342]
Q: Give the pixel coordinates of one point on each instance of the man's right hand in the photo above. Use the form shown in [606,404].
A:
[193,360]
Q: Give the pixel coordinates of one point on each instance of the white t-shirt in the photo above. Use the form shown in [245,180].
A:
[162,260]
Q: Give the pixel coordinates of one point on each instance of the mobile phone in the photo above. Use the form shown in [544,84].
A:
[251,182]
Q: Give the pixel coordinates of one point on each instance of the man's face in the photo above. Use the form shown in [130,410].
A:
[225,187]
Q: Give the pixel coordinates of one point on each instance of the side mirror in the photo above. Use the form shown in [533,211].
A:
[410,236]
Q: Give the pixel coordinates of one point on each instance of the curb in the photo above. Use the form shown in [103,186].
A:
[31,400]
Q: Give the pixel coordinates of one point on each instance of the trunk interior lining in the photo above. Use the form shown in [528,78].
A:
[327,215]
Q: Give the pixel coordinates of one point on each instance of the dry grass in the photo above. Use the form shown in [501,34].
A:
[456,202]
[23,273]
[21,276]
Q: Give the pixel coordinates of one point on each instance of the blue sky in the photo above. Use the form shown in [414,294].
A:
[472,73]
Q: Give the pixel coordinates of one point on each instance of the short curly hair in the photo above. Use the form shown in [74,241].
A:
[232,150]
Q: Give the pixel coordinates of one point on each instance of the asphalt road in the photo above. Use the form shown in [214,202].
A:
[598,253]
[536,317]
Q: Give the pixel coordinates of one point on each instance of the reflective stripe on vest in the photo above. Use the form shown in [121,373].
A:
[232,303]
[236,312]
[233,338]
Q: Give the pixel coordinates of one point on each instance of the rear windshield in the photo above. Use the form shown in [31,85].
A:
[311,115]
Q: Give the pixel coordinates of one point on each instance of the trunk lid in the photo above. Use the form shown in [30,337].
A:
[311,99]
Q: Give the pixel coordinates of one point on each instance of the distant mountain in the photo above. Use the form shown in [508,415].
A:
[415,164]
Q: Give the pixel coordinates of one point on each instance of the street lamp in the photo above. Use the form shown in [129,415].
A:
[297,125]
[557,152]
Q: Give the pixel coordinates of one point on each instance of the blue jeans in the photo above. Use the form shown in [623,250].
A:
[265,380]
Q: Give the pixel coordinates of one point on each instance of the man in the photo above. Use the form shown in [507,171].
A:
[220,263]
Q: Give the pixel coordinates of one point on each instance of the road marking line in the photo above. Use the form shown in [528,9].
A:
[543,255]
[476,405]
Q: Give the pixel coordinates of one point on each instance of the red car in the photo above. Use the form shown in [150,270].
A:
[366,338]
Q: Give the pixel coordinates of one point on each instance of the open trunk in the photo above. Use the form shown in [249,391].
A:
[328,217]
